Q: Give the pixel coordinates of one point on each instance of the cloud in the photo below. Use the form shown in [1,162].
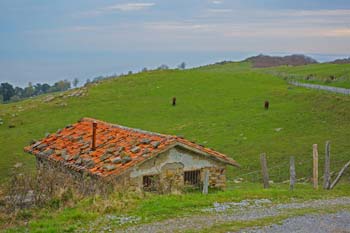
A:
[129,7]
[219,11]
[282,32]
[177,26]
[314,13]
[125,7]
[217,2]
[340,32]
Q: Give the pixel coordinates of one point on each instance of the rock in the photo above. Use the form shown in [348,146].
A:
[41,146]
[49,98]
[111,145]
[258,202]
[41,154]
[48,152]
[79,161]
[145,151]
[36,144]
[155,144]
[85,146]
[109,167]
[126,159]
[18,165]
[278,129]
[145,141]
[75,157]
[120,149]
[105,156]
[89,163]
[64,155]
[110,150]
[135,149]
[117,160]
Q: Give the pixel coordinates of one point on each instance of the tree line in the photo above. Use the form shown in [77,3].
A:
[9,92]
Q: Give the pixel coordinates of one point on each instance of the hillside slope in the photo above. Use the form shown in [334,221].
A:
[219,106]
[337,75]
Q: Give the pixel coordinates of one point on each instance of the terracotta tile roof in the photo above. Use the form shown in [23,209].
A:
[117,147]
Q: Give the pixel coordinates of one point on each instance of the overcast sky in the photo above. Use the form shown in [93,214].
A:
[51,40]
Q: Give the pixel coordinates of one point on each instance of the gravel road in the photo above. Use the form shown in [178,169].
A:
[252,212]
[311,223]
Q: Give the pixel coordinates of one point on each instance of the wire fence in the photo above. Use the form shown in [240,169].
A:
[280,173]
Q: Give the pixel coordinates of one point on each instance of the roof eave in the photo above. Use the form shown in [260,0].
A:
[223,160]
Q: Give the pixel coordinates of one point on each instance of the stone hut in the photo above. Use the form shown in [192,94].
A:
[132,158]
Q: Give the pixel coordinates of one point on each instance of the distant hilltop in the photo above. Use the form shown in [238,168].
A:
[262,61]
[341,61]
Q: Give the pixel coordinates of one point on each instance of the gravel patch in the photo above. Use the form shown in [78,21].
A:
[311,223]
[228,212]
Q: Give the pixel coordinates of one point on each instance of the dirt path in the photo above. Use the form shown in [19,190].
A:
[340,90]
[310,223]
[228,212]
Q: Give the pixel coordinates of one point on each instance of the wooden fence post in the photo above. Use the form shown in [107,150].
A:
[335,182]
[315,166]
[206,182]
[264,170]
[292,172]
[327,165]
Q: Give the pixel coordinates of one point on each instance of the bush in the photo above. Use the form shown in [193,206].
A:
[36,190]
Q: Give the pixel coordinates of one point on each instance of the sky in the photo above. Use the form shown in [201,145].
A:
[47,41]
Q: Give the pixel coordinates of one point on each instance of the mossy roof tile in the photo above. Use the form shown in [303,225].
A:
[120,138]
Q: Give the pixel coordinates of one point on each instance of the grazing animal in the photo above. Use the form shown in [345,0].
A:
[267,104]
[174,101]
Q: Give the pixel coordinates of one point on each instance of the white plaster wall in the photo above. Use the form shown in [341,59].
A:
[190,161]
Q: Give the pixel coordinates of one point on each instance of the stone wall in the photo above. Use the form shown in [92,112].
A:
[217,177]
[171,165]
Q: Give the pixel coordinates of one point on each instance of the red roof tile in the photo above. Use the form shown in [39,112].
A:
[117,147]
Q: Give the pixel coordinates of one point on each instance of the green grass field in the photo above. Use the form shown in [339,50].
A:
[320,74]
[219,106]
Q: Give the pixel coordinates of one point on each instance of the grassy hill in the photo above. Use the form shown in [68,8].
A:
[315,73]
[219,106]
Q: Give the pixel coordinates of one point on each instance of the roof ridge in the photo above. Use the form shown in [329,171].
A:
[127,128]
